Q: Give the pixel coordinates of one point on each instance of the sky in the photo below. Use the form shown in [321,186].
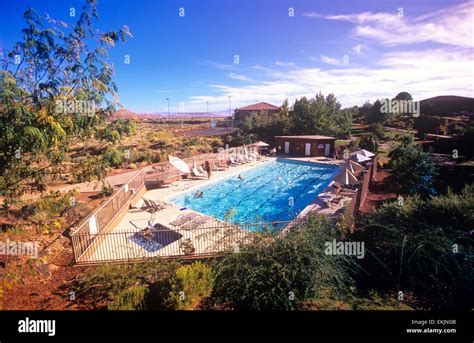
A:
[270,50]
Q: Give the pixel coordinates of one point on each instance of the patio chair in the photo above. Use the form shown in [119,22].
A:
[197,173]
[234,162]
[202,171]
[193,224]
[215,167]
[241,159]
[183,219]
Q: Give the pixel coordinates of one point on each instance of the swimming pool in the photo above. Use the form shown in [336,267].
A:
[277,190]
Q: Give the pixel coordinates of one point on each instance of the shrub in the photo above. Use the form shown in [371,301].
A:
[106,190]
[132,298]
[422,246]
[123,285]
[411,171]
[368,142]
[280,272]
[113,157]
[189,285]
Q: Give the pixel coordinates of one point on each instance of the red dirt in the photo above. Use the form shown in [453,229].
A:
[379,191]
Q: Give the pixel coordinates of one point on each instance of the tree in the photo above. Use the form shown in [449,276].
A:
[368,142]
[411,171]
[320,115]
[55,87]
[403,96]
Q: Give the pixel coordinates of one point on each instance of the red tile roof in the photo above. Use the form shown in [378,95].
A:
[261,106]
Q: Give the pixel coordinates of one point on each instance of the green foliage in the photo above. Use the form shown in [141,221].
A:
[113,157]
[411,171]
[320,115]
[189,285]
[106,190]
[124,286]
[423,247]
[403,96]
[368,142]
[280,272]
[59,64]
[132,298]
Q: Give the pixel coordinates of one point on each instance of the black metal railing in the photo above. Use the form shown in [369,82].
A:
[206,240]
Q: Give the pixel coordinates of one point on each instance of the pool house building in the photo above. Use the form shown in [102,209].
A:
[308,145]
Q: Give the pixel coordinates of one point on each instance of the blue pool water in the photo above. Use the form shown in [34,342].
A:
[277,190]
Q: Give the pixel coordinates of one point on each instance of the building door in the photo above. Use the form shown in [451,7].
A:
[327,149]
[287,147]
[307,149]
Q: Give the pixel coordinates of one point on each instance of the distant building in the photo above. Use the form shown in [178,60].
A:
[311,145]
[263,107]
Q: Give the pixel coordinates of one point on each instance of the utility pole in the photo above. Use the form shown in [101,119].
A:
[168,99]
[230,115]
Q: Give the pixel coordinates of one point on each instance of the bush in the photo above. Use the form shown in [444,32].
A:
[368,142]
[122,286]
[113,157]
[413,249]
[411,171]
[280,272]
[132,298]
[189,285]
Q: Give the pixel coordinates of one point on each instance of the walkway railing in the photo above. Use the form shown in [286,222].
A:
[98,221]
[206,240]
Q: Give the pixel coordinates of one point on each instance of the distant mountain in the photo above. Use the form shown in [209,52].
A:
[446,105]
[127,114]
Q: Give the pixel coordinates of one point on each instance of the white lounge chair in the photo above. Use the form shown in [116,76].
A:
[215,167]
[241,159]
[197,173]
[234,162]
[202,171]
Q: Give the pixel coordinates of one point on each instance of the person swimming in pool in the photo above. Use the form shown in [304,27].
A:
[198,194]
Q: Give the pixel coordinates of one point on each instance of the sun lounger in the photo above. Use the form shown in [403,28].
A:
[234,162]
[215,167]
[183,219]
[195,223]
[197,173]
[202,171]
[241,159]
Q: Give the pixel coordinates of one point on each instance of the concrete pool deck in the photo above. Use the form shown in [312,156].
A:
[219,236]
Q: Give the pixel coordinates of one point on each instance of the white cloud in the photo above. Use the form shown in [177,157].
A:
[239,77]
[422,73]
[330,60]
[451,26]
[358,48]
[284,64]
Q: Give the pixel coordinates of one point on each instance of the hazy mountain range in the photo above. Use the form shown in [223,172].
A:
[124,113]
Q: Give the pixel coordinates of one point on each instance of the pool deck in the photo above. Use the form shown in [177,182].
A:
[121,247]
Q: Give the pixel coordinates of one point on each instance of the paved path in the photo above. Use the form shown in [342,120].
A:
[114,180]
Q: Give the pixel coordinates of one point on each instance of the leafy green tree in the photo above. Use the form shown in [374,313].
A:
[412,172]
[320,115]
[45,81]
[403,96]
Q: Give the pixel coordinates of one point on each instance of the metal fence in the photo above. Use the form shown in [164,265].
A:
[98,222]
[206,240]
